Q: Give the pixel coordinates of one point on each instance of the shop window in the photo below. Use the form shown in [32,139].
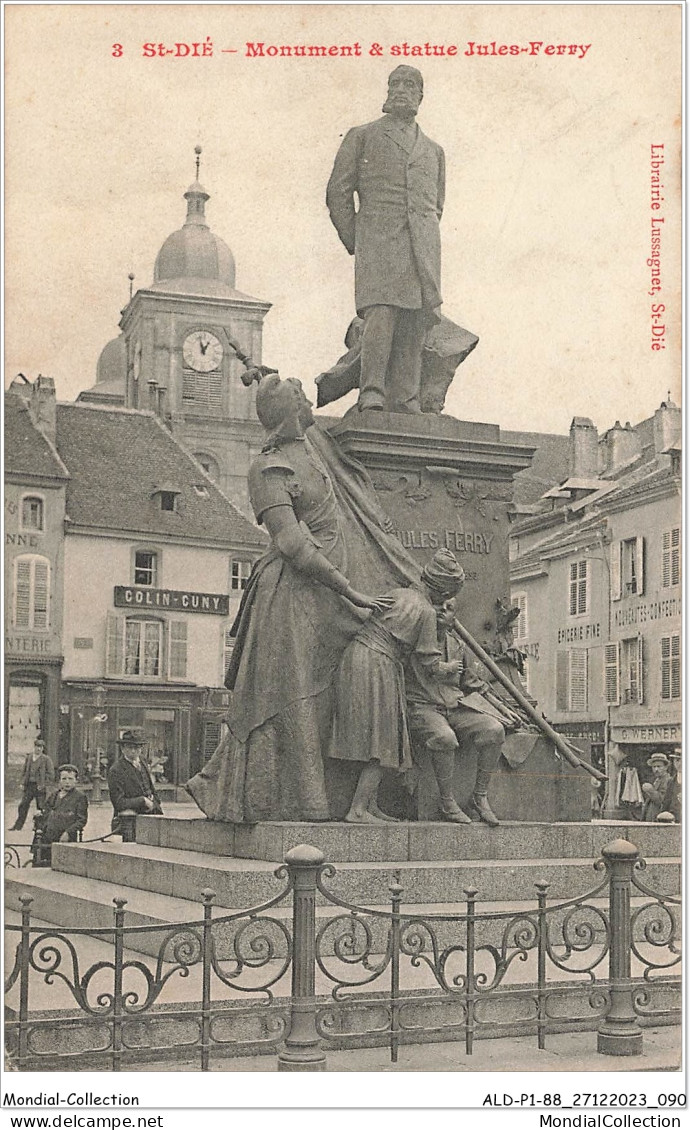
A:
[239,574]
[520,626]
[578,588]
[32,512]
[670,666]
[24,718]
[627,568]
[631,670]
[145,567]
[612,674]
[146,649]
[670,558]
[572,680]
[31,592]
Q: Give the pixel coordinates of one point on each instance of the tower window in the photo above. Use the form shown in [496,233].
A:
[203,390]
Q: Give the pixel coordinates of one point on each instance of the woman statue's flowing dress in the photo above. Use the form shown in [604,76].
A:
[290,634]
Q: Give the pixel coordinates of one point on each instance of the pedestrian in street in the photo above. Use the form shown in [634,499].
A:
[66,810]
[129,780]
[37,777]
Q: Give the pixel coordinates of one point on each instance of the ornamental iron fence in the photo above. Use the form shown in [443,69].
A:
[357,975]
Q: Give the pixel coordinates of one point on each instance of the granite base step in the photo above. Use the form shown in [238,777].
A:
[406,842]
[243,883]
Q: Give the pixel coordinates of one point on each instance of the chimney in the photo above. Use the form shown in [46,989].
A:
[667,426]
[584,449]
[42,406]
[153,396]
[21,386]
[621,444]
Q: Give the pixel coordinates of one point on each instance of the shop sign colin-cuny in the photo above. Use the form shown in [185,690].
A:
[131,596]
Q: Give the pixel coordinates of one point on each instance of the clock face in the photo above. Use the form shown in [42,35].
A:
[202,351]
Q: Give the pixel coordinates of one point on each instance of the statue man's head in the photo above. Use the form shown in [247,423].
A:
[405,92]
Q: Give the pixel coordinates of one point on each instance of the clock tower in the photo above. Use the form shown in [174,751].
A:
[180,362]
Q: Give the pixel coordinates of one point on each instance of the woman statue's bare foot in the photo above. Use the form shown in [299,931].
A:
[376,811]
[362,816]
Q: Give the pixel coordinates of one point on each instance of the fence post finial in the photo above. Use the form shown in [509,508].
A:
[303,1051]
[620,1032]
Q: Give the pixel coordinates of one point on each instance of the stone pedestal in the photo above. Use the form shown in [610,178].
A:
[449,483]
[445,483]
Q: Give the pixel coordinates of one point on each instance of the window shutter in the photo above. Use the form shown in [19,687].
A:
[562,680]
[212,736]
[640,669]
[675,556]
[578,679]
[228,648]
[675,666]
[215,390]
[521,626]
[41,575]
[665,666]
[612,674]
[666,560]
[583,577]
[639,565]
[572,602]
[22,594]
[188,385]
[616,570]
[114,644]
[178,649]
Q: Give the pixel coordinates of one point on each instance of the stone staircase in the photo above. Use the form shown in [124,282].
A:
[176,857]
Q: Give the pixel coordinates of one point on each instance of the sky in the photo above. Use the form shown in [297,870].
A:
[548,221]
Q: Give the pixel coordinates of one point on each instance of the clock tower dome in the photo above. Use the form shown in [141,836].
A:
[180,361]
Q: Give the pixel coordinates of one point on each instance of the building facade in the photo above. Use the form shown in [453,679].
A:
[148,560]
[596,572]
[35,488]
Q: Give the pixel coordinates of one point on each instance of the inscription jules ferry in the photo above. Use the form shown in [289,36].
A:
[457,540]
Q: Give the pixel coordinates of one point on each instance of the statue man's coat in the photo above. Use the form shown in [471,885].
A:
[395,235]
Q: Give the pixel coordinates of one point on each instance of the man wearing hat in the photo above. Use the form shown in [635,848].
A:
[397,176]
[656,790]
[129,781]
[37,777]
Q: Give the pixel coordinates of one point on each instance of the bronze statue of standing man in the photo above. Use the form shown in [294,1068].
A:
[398,176]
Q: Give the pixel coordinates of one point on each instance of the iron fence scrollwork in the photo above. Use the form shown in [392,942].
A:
[392,975]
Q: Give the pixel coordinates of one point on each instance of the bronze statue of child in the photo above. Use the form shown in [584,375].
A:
[370,723]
